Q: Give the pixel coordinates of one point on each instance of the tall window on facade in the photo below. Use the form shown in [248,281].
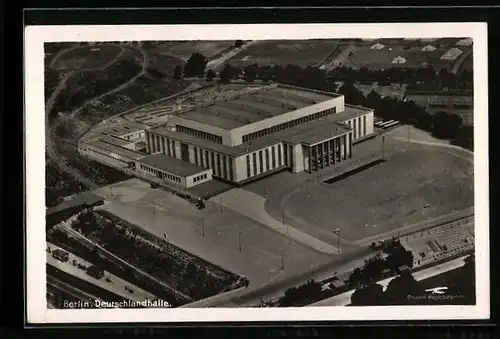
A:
[224,166]
[219,169]
[212,159]
[254,156]
[364,124]
[230,164]
[360,128]
[248,166]
[195,151]
[354,128]
[273,156]
[261,162]
[267,159]
[280,162]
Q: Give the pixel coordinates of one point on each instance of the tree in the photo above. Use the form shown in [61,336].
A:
[352,94]
[400,288]
[250,72]
[446,125]
[195,66]
[178,72]
[210,75]
[228,73]
[238,43]
[370,295]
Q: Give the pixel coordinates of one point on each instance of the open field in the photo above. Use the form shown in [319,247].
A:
[387,196]
[184,50]
[376,59]
[211,233]
[88,57]
[283,52]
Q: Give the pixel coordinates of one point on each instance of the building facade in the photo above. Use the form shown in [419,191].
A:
[239,137]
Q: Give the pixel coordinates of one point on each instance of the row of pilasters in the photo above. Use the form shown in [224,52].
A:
[330,152]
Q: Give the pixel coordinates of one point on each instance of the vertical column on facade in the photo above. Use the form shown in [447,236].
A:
[344,137]
[327,146]
[325,153]
[310,159]
[153,143]
[350,145]
[228,167]
[147,141]
[316,149]
[332,150]
[341,147]
[162,143]
[165,146]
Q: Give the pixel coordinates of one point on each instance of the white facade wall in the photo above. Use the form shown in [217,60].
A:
[190,179]
[134,136]
[237,133]
[298,158]
[240,166]
[113,160]
[224,134]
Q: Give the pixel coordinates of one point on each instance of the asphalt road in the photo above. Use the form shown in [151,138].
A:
[271,291]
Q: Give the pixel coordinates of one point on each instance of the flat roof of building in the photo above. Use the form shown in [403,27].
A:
[171,165]
[314,134]
[109,147]
[114,140]
[309,133]
[84,198]
[248,108]
[125,127]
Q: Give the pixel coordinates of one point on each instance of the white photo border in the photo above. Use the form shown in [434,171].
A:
[36,36]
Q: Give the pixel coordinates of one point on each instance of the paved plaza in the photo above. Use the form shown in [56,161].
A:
[215,234]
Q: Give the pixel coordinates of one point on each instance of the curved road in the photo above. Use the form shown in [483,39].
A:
[58,160]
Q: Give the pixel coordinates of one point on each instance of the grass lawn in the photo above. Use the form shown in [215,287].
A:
[363,56]
[87,57]
[283,52]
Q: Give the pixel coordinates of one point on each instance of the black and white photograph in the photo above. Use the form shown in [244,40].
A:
[176,173]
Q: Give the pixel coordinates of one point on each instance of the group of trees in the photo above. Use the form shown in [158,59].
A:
[86,85]
[441,124]
[128,243]
[405,290]
[375,267]
[302,295]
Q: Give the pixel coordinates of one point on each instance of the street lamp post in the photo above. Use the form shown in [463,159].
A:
[239,241]
[220,204]
[203,227]
[383,147]
[337,232]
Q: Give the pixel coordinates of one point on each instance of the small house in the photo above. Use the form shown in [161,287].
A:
[377,46]
[398,60]
[428,48]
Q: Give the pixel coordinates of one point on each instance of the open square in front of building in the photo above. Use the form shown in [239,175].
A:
[415,185]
